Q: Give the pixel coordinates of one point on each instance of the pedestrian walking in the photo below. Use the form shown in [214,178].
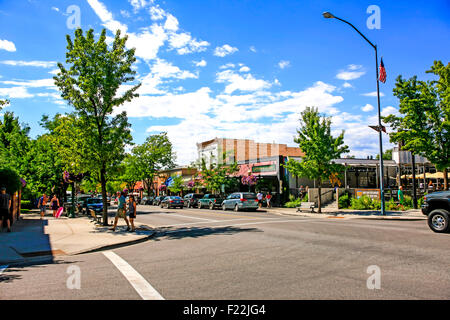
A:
[259,196]
[54,203]
[5,205]
[121,212]
[400,195]
[132,211]
[268,198]
[42,204]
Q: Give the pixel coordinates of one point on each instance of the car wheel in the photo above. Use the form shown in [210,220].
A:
[438,220]
[211,206]
[236,208]
[199,205]
[224,208]
[188,205]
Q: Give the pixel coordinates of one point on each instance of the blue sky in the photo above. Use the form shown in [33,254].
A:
[229,68]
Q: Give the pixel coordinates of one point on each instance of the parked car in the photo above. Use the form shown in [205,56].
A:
[158,200]
[191,199]
[95,204]
[172,202]
[81,202]
[210,201]
[437,207]
[147,200]
[241,201]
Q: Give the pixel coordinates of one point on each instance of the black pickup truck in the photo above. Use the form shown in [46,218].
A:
[437,207]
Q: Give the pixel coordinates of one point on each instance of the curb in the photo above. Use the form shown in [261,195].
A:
[368,217]
[113,246]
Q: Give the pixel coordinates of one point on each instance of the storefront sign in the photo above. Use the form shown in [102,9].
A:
[371,193]
[264,168]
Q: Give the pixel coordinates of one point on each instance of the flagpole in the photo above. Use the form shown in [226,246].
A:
[380,137]
[328,15]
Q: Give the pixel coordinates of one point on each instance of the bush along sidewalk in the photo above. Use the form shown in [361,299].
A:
[295,202]
[346,201]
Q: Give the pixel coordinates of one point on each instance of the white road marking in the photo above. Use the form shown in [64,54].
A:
[142,287]
[3,268]
[185,216]
[214,221]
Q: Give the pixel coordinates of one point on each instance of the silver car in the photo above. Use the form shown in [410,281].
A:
[241,201]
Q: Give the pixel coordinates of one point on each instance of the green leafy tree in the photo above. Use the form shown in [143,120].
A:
[155,154]
[177,184]
[423,126]
[387,155]
[320,148]
[91,83]
[130,171]
[3,103]
[217,174]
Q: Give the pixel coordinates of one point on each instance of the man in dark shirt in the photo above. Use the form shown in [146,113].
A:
[5,204]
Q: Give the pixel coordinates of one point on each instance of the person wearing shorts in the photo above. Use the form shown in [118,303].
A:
[42,205]
[5,204]
[132,212]
[55,204]
[121,212]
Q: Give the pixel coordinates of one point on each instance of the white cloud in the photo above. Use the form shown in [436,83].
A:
[164,69]
[372,94]
[150,39]
[244,69]
[138,4]
[351,73]
[171,23]
[7,45]
[201,63]
[240,82]
[224,50]
[227,66]
[19,63]
[252,49]
[283,64]
[347,85]
[368,107]
[15,92]
[47,83]
[156,13]
[388,111]
[55,9]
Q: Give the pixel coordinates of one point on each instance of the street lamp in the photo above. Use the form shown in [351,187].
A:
[380,127]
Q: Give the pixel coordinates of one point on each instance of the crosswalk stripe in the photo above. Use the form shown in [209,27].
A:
[142,287]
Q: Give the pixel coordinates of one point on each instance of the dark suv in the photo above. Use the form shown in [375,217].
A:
[437,207]
[191,199]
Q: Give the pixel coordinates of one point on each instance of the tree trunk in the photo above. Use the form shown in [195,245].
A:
[319,199]
[104,199]
[445,179]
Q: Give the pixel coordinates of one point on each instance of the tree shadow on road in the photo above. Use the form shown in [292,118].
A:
[197,232]
[12,273]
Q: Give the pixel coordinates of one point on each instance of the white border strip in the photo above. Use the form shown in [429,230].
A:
[142,287]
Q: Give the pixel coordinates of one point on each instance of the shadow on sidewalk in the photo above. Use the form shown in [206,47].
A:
[197,232]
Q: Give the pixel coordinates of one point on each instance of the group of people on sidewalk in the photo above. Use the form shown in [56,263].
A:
[124,209]
[261,198]
[42,204]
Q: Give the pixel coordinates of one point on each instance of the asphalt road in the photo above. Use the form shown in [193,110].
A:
[211,254]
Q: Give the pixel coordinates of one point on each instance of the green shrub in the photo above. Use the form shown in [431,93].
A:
[26,204]
[10,179]
[344,201]
[361,203]
[293,202]
[305,198]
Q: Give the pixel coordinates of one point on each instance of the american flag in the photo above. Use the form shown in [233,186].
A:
[382,72]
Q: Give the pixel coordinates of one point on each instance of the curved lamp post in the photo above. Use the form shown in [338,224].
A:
[379,128]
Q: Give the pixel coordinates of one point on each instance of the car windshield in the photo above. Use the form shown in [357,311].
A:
[175,198]
[198,196]
[92,201]
[249,196]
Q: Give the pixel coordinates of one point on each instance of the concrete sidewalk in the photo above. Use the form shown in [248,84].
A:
[350,214]
[33,239]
